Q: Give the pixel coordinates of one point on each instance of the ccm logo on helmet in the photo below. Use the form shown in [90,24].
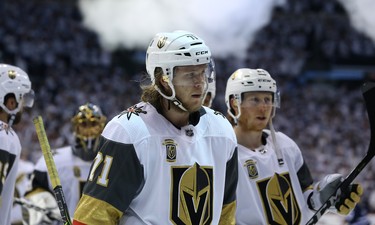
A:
[201,53]
[263,80]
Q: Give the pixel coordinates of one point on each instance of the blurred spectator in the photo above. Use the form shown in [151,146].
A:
[358,216]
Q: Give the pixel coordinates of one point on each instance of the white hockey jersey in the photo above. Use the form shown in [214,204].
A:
[10,151]
[72,171]
[268,193]
[25,168]
[150,172]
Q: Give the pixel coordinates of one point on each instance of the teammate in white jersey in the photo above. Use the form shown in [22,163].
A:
[25,169]
[72,164]
[15,94]
[274,183]
[167,159]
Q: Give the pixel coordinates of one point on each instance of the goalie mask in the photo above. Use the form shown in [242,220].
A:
[88,123]
[14,82]
[178,48]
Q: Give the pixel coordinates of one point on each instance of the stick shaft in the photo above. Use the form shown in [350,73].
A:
[47,154]
[51,168]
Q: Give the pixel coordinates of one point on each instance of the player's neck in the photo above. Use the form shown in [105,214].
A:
[175,115]
[249,139]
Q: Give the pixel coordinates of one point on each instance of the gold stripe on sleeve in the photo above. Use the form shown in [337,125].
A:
[228,214]
[96,212]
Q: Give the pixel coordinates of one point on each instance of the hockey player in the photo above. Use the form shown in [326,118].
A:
[274,182]
[167,159]
[72,164]
[15,94]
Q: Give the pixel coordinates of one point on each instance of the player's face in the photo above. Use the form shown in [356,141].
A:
[190,83]
[10,102]
[256,109]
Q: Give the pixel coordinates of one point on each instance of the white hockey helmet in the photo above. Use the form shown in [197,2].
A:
[14,80]
[178,48]
[249,80]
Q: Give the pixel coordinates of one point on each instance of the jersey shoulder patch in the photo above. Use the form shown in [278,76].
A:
[129,126]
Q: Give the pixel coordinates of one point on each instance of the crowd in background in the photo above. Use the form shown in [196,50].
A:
[327,119]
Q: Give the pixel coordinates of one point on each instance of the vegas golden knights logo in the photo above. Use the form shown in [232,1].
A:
[279,201]
[161,42]
[251,168]
[192,195]
[234,75]
[171,150]
[12,74]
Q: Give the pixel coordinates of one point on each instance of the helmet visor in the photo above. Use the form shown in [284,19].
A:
[211,72]
[255,99]
[28,99]
[192,75]
[277,100]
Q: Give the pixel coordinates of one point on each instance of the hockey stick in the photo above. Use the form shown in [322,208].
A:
[368,91]
[52,171]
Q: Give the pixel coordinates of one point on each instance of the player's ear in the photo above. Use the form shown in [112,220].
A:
[234,102]
[234,105]
[164,81]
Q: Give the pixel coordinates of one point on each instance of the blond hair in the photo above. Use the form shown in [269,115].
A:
[150,94]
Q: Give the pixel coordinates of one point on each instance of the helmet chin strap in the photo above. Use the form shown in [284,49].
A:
[279,155]
[11,119]
[177,102]
[11,114]
[172,98]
